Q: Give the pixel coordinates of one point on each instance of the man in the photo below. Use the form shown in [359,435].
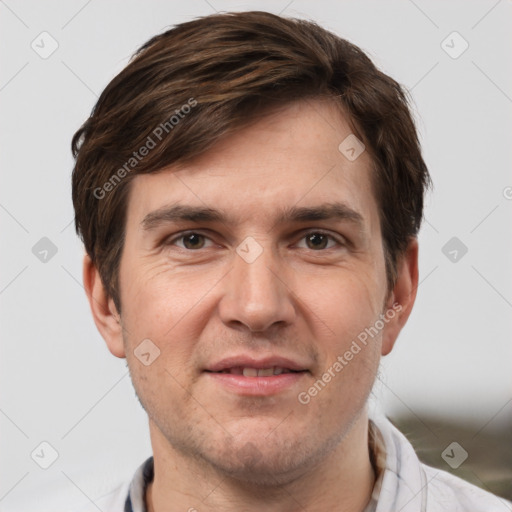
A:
[249,190]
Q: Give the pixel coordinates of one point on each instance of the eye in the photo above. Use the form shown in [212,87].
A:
[314,240]
[190,241]
[318,240]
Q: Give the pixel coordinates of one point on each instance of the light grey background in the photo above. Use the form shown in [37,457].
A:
[59,382]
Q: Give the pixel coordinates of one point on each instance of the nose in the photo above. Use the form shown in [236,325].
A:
[257,295]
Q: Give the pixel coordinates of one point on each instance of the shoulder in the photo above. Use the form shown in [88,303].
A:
[409,485]
[447,492]
[114,501]
[128,496]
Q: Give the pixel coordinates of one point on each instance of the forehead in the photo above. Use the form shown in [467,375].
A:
[291,156]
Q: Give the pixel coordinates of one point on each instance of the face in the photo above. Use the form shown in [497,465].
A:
[252,271]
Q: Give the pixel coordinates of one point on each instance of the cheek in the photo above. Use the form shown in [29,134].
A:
[168,317]
[347,303]
[159,298]
[350,350]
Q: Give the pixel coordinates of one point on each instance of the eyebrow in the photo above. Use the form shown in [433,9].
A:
[179,212]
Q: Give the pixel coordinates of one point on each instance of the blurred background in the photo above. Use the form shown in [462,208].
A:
[449,378]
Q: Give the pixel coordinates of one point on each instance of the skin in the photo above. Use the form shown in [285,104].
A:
[307,301]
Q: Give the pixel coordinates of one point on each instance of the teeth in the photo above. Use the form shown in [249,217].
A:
[263,372]
[250,372]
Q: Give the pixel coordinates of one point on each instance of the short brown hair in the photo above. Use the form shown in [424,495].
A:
[201,80]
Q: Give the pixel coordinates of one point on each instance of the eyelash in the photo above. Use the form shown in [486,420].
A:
[331,237]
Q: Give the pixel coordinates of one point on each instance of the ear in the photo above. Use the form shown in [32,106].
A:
[402,297]
[103,309]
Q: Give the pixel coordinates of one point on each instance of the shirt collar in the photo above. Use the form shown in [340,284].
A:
[378,456]
[135,501]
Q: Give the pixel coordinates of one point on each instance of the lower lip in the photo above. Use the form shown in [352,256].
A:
[257,386]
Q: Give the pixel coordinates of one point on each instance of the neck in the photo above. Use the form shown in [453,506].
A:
[344,476]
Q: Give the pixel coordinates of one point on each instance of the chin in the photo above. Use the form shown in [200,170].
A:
[260,462]
[262,472]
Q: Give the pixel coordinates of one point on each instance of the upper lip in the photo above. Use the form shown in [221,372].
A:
[246,361]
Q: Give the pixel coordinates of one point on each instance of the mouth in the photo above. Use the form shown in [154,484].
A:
[248,376]
[248,371]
